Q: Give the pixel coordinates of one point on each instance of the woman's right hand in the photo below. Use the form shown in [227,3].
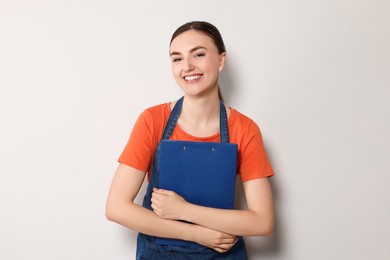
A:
[219,241]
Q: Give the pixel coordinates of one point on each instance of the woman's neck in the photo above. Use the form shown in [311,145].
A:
[200,115]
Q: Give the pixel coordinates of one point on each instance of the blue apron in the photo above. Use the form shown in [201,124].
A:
[147,248]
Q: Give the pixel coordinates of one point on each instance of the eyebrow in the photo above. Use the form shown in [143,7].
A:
[192,50]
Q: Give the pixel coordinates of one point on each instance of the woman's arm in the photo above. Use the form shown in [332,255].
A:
[121,209]
[257,220]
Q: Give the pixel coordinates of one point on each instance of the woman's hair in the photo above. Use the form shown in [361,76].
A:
[208,29]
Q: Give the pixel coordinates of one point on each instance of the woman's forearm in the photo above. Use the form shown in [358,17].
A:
[237,222]
[145,221]
[121,208]
[257,220]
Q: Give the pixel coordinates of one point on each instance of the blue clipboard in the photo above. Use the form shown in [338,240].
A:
[202,173]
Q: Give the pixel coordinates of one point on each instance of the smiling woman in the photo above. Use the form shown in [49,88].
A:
[207,30]
[198,55]
[196,63]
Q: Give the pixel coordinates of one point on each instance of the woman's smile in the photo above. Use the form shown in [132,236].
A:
[192,78]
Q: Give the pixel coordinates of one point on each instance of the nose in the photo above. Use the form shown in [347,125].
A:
[188,66]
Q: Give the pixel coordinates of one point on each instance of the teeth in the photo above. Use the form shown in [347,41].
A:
[188,78]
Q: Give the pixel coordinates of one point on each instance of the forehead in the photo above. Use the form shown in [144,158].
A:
[190,39]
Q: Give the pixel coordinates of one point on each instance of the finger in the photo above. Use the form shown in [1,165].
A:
[221,250]
[158,197]
[154,201]
[155,194]
[224,236]
[155,209]
[157,190]
[154,205]
[226,244]
[162,191]
[227,240]
[225,247]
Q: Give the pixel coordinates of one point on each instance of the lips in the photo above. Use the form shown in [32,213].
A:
[192,77]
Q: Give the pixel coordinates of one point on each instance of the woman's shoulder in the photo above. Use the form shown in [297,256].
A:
[242,124]
[153,119]
[244,131]
[238,118]
[157,108]
[157,111]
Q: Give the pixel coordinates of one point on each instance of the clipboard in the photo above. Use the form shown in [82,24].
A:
[203,173]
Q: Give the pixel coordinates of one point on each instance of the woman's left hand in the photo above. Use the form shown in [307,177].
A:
[168,204]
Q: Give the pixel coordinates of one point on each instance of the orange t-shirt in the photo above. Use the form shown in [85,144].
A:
[252,161]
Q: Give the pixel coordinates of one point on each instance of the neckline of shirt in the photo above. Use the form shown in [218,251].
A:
[205,138]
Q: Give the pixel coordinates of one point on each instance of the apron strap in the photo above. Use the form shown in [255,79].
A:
[175,113]
[223,123]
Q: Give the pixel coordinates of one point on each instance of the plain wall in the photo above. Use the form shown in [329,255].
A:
[75,75]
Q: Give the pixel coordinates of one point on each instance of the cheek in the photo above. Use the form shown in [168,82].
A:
[175,71]
[211,66]
[211,71]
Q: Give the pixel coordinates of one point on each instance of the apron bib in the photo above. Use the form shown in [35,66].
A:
[151,248]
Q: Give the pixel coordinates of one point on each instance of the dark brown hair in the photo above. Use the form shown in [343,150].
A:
[208,29]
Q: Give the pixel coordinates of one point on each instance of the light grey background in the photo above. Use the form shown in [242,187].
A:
[74,76]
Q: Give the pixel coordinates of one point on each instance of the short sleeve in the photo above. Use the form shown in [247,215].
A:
[138,151]
[253,159]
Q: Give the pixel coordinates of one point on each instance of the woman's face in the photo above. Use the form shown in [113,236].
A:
[196,63]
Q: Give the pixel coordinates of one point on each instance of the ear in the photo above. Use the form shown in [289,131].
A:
[222,60]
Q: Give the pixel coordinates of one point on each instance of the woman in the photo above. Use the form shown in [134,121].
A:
[197,55]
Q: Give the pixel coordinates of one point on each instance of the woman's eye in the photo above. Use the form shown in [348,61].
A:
[176,59]
[198,55]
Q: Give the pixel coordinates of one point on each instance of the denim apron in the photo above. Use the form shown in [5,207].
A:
[147,249]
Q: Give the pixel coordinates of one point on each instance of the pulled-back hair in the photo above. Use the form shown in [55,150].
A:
[204,27]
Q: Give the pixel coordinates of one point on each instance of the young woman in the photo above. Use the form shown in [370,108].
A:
[197,55]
